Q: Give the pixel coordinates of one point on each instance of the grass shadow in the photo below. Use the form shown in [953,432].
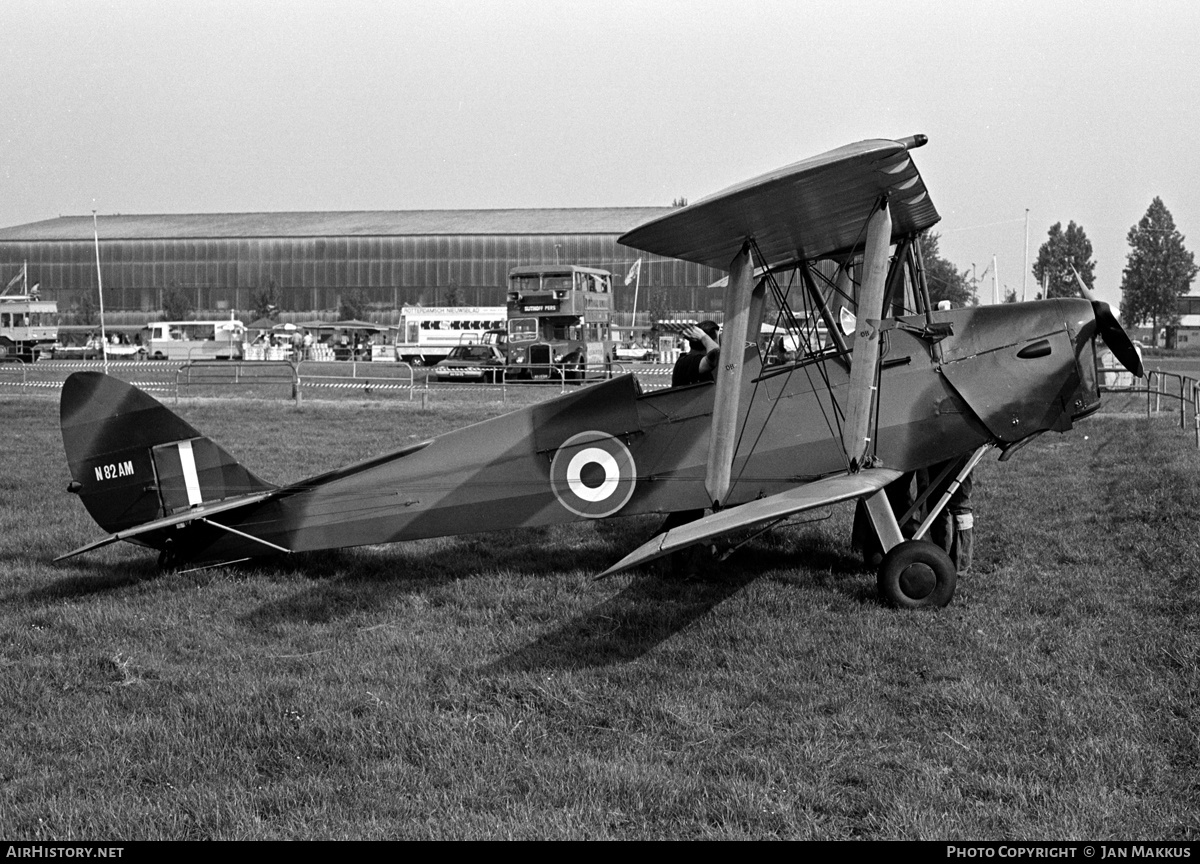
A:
[649,610]
[348,581]
[89,579]
[654,606]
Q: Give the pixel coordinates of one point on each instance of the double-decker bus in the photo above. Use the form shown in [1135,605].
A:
[559,322]
[28,326]
[426,334]
[194,340]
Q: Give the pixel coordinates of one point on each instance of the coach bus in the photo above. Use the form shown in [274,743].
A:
[559,322]
[426,334]
[194,340]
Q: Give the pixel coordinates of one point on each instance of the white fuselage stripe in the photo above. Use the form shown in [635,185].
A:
[191,480]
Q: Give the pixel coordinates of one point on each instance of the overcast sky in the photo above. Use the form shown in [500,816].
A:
[1076,111]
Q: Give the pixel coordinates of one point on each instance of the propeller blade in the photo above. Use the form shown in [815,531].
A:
[1083,289]
[1116,338]
[1110,329]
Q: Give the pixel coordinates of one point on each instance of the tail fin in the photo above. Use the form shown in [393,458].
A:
[132,460]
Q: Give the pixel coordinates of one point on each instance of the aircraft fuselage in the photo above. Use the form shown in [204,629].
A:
[1004,374]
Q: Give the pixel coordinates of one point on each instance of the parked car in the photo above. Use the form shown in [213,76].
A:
[477,363]
[629,351]
[76,346]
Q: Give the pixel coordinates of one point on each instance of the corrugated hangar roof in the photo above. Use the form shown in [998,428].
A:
[360,223]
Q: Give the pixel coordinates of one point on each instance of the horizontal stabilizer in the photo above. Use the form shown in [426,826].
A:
[829,490]
[201,512]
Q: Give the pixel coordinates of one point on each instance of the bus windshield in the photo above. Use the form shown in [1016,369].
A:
[522,329]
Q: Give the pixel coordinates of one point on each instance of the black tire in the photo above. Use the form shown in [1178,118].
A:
[917,574]
[167,559]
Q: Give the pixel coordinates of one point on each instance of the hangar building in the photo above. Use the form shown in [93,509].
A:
[390,258]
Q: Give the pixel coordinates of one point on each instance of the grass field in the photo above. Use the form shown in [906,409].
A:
[487,687]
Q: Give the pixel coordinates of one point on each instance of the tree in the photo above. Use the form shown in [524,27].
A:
[266,301]
[1054,260]
[1157,270]
[352,306]
[176,303]
[943,278]
[85,312]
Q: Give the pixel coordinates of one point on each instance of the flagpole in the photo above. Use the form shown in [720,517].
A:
[636,285]
[100,289]
[1025,275]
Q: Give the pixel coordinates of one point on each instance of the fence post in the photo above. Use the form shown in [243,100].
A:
[1182,404]
[1196,410]
[295,367]
[412,379]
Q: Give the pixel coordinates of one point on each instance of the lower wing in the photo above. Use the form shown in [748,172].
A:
[829,490]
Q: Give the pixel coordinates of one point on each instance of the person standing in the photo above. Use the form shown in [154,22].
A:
[699,364]
[954,529]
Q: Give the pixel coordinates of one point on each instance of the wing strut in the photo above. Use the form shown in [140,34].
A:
[856,433]
[742,299]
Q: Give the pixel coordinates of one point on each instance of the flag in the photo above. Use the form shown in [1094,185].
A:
[633,271]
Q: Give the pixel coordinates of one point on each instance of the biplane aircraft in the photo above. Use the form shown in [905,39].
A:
[892,386]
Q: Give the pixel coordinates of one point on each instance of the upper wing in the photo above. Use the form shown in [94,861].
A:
[829,490]
[811,209]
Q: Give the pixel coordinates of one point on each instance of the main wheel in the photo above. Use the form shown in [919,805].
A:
[917,574]
[167,559]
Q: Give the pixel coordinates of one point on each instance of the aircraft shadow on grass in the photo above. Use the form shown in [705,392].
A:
[650,609]
[656,605]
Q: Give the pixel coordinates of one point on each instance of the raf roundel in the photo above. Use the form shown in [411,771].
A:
[593,475]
